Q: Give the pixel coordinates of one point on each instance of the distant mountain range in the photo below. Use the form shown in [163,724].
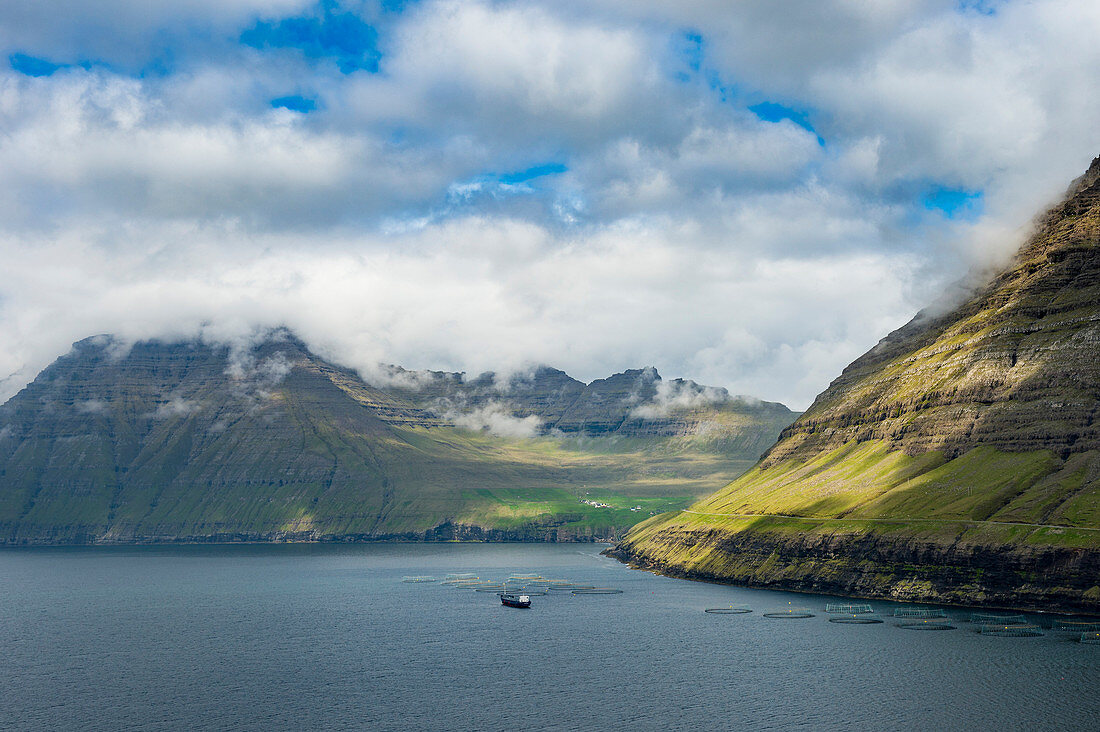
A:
[958,460]
[157,441]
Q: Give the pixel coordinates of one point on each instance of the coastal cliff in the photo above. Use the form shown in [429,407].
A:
[957,461]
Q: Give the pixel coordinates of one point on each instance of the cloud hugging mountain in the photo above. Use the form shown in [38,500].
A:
[958,460]
[190,441]
[746,193]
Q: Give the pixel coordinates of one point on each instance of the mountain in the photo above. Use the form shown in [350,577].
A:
[637,403]
[158,441]
[958,460]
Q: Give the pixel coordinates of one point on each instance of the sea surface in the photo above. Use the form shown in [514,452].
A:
[329,637]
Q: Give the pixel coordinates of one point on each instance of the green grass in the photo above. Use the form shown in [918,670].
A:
[867,489]
[405,481]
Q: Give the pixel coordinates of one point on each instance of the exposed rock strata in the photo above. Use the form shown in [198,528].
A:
[167,442]
[634,403]
[1016,367]
[1052,579]
[956,461]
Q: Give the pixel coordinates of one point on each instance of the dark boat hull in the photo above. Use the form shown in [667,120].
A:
[513,602]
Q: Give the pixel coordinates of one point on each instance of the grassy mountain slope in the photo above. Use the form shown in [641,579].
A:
[170,442]
[958,460]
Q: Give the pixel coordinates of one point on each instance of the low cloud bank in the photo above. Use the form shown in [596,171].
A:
[738,193]
[495,418]
[677,394]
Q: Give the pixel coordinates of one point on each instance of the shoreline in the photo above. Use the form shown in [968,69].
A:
[860,578]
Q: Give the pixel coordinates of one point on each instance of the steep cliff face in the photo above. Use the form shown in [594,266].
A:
[188,441]
[906,563]
[963,444]
[1015,367]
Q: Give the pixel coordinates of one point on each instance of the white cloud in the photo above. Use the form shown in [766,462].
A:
[126,32]
[495,418]
[496,65]
[92,406]
[679,230]
[175,407]
[435,299]
[676,395]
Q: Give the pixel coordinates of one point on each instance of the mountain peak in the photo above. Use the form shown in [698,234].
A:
[988,371]
[957,461]
[1091,176]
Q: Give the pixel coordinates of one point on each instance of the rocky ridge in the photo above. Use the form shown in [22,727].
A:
[634,403]
[956,461]
[1015,367]
[191,441]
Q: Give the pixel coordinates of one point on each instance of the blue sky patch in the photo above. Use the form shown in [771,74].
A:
[502,186]
[295,103]
[774,112]
[329,34]
[36,66]
[32,65]
[397,6]
[692,50]
[535,171]
[954,203]
[981,7]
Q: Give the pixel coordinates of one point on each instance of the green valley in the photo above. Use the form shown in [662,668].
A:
[168,442]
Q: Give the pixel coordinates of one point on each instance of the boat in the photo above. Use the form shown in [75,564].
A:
[511,600]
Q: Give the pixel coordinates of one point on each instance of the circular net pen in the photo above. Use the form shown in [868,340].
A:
[1090,638]
[854,620]
[996,619]
[790,613]
[1014,630]
[460,576]
[1077,626]
[927,624]
[489,587]
[919,612]
[848,608]
[731,610]
[464,584]
[419,578]
[597,591]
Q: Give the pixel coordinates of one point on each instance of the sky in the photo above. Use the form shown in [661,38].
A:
[745,194]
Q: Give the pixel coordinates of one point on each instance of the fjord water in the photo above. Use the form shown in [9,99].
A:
[287,637]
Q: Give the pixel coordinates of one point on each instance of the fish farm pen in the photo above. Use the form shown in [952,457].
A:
[928,624]
[731,610]
[1085,630]
[988,619]
[790,613]
[1015,630]
[1081,626]
[532,585]
[855,620]
[919,612]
